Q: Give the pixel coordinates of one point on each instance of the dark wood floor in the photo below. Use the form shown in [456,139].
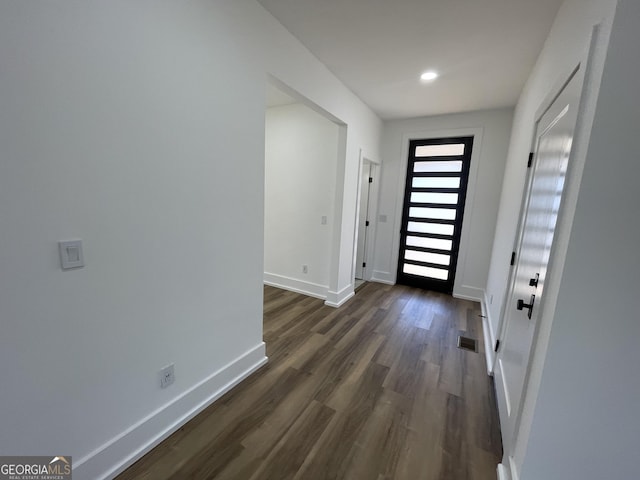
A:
[374,390]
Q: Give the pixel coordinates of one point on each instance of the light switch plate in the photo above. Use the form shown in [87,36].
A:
[71,255]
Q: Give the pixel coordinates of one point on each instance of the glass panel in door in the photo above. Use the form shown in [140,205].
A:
[435,193]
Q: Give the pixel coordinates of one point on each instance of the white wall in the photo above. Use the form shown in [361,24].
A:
[139,127]
[491,130]
[580,395]
[295,67]
[586,423]
[301,156]
[564,48]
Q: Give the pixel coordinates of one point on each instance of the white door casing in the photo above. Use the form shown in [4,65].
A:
[547,175]
[363,218]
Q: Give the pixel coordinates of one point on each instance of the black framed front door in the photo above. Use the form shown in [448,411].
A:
[435,194]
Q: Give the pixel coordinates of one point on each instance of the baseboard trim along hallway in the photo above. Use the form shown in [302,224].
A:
[120,452]
[375,389]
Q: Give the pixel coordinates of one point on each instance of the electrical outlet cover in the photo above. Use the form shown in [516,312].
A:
[167,376]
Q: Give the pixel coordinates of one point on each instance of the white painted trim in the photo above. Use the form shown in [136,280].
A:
[468,293]
[513,469]
[383,277]
[295,285]
[465,297]
[503,472]
[338,264]
[489,335]
[123,450]
[374,193]
[337,299]
[502,381]
[487,338]
[356,228]
[372,235]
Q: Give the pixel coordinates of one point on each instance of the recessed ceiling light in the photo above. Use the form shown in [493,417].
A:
[428,76]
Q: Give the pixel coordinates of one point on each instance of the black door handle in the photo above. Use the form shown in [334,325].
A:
[533,282]
[529,306]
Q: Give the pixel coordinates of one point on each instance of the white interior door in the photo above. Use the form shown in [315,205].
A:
[554,137]
[363,221]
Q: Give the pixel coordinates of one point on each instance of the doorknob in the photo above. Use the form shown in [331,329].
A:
[529,306]
[533,282]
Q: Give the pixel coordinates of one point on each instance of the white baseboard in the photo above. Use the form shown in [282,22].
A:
[383,277]
[489,337]
[120,452]
[466,292]
[474,296]
[336,299]
[465,297]
[295,285]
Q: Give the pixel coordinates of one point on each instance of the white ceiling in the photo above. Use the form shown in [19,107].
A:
[483,49]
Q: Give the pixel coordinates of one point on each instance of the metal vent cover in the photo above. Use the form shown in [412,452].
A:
[467,343]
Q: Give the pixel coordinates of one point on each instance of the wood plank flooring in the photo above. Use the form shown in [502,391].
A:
[374,390]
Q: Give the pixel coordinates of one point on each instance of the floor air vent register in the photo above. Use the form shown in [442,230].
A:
[467,343]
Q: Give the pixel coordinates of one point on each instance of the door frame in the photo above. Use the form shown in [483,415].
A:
[431,283]
[460,287]
[555,92]
[364,213]
[591,61]
[374,192]
[575,75]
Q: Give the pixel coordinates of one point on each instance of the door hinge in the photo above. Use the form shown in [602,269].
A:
[513,258]
[366,223]
[364,264]
[370,179]
[530,162]
[497,346]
